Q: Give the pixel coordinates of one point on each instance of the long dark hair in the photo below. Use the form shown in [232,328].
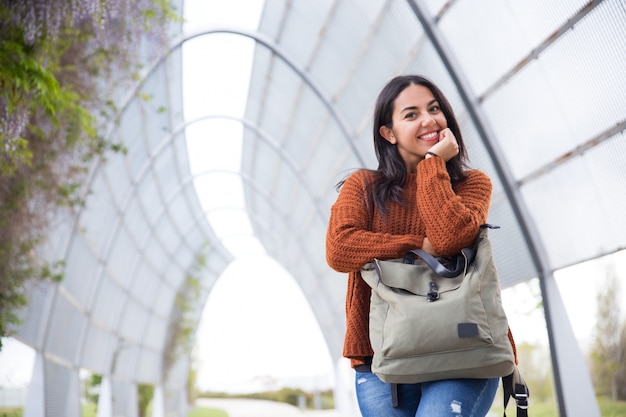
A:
[391,172]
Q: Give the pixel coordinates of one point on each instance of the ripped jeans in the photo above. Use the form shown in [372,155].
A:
[448,398]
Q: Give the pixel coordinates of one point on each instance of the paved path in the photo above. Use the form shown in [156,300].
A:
[260,408]
[236,407]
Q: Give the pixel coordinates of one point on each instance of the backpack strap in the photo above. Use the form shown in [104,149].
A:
[515,386]
[394,395]
[462,259]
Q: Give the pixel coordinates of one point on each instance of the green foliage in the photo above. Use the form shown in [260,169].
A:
[535,409]
[89,409]
[284,395]
[192,378]
[11,412]
[53,66]
[206,412]
[145,393]
[536,367]
[57,114]
[28,169]
[182,324]
[609,408]
[92,388]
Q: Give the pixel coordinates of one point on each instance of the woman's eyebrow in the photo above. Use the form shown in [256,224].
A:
[430,103]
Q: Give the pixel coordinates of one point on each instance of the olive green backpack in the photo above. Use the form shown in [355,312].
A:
[441,318]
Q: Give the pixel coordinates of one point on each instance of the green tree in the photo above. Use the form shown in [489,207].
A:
[145,394]
[608,356]
[620,380]
[92,388]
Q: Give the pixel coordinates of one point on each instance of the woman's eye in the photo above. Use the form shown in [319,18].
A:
[410,115]
[435,109]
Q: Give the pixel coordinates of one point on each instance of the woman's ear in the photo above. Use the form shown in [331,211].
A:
[387,133]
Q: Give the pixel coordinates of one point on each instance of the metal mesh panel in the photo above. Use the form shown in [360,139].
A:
[64,329]
[120,259]
[101,212]
[61,391]
[583,197]
[145,369]
[125,399]
[80,272]
[34,318]
[96,346]
[108,304]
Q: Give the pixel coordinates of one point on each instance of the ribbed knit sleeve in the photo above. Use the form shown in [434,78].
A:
[452,216]
[350,241]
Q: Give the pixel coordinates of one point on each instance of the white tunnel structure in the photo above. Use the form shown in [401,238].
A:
[539,88]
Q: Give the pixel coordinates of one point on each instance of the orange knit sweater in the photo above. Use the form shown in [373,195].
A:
[450,217]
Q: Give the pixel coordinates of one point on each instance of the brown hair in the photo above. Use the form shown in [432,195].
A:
[391,168]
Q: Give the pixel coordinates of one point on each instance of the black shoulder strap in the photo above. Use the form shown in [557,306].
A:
[514,386]
[462,260]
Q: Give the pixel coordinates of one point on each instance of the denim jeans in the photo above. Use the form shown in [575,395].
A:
[448,398]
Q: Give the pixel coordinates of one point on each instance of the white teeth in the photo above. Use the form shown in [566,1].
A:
[429,136]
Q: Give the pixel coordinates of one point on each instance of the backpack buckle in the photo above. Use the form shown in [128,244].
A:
[521,396]
[433,294]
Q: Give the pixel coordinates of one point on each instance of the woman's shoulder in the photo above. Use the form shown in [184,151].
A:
[475,177]
[477,174]
[359,178]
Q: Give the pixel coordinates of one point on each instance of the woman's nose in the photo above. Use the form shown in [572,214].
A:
[428,120]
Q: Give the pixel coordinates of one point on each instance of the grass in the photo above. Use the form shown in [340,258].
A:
[608,408]
[547,409]
[89,410]
[206,412]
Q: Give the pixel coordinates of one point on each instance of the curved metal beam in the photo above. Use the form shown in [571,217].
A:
[261,133]
[258,37]
[165,144]
[284,56]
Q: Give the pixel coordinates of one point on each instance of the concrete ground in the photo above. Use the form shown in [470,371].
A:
[261,408]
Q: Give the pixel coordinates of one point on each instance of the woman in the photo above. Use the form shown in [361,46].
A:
[421,196]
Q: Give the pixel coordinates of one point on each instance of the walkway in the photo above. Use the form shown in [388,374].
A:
[261,408]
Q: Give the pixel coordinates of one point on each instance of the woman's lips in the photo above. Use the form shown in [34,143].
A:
[430,136]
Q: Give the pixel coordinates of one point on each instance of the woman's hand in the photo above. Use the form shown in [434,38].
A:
[428,247]
[447,147]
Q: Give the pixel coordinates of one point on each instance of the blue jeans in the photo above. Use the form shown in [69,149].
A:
[448,398]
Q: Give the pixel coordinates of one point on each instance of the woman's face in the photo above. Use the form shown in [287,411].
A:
[416,124]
